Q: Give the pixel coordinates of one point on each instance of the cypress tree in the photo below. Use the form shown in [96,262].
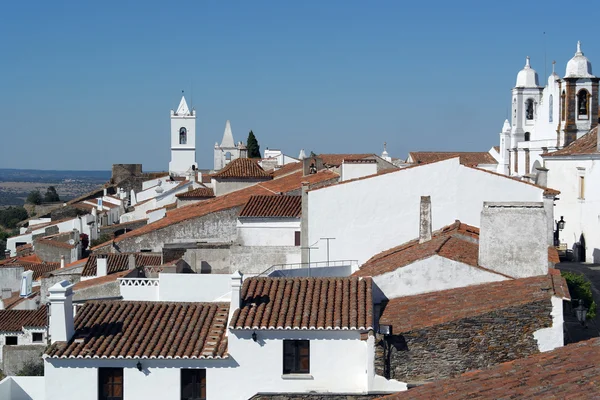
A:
[253,146]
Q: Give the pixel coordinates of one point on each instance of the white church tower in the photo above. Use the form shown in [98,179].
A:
[183,139]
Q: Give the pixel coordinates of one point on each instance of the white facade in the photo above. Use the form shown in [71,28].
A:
[183,139]
[371,215]
[357,169]
[547,118]
[576,177]
[23,337]
[267,231]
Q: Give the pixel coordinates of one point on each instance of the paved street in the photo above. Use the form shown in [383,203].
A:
[575,332]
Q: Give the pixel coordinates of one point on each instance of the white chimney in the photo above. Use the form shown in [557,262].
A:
[61,312]
[62,261]
[7,254]
[541,179]
[131,261]
[101,265]
[236,298]
[26,283]
[425,219]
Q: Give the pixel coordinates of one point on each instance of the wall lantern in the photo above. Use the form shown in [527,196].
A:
[139,366]
[561,224]
[254,336]
[581,312]
[385,330]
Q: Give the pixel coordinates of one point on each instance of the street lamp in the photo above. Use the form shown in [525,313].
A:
[560,225]
[581,313]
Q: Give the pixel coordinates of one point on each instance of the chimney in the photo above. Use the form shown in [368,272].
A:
[513,238]
[425,219]
[105,191]
[7,253]
[26,283]
[101,265]
[131,261]
[62,261]
[61,312]
[236,298]
[541,178]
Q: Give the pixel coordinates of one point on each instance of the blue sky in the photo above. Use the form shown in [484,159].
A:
[87,84]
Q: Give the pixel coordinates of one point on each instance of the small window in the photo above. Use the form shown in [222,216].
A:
[146,251]
[182,136]
[110,383]
[193,384]
[11,341]
[582,187]
[37,337]
[563,106]
[582,102]
[529,109]
[296,357]
[297,238]
[527,136]
[228,156]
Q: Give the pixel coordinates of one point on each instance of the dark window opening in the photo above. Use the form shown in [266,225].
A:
[296,357]
[110,383]
[11,341]
[146,251]
[297,238]
[529,109]
[582,102]
[193,384]
[37,337]
[182,136]
[527,136]
[562,106]
[228,156]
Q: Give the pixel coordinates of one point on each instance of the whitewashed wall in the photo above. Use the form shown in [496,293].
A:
[357,170]
[552,337]
[372,215]
[267,231]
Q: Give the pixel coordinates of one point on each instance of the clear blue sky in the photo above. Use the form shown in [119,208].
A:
[86,84]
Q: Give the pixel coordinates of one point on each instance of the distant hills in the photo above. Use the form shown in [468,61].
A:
[37,175]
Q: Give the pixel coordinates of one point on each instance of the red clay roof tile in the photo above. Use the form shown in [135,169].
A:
[587,144]
[466,157]
[242,168]
[15,320]
[305,303]
[120,262]
[273,206]
[143,329]
[200,193]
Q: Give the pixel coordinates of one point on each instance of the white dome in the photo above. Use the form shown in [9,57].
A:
[579,66]
[527,77]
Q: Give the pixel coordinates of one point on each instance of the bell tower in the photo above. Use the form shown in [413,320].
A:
[183,139]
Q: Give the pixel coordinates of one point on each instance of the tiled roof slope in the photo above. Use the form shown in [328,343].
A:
[305,303]
[101,280]
[38,268]
[587,144]
[242,168]
[336,160]
[16,299]
[15,320]
[144,329]
[287,169]
[465,157]
[120,262]
[234,199]
[273,206]
[458,242]
[569,372]
[454,304]
[201,193]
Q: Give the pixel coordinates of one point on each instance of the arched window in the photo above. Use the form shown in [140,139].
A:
[529,109]
[228,156]
[182,135]
[551,108]
[562,106]
[582,102]
[527,136]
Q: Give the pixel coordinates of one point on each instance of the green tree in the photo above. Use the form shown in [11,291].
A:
[34,197]
[580,288]
[32,368]
[10,217]
[51,195]
[253,146]
[312,154]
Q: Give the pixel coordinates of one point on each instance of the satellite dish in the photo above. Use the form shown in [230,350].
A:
[71,242]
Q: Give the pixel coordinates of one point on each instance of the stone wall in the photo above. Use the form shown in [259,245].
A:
[257,259]
[119,229]
[67,211]
[316,396]
[10,278]
[50,280]
[15,357]
[453,348]
[51,253]
[100,291]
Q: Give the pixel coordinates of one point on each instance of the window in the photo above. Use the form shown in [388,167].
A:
[182,135]
[37,337]
[581,188]
[296,357]
[582,102]
[551,108]
[110,383]
[529,109]
[527,136]
[562,106]
[297,238]
[228,156]
[11,341]
[193,384]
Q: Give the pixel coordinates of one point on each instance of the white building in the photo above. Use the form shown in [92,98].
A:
[183,139]
[547,118]
[575,171]
[228,150]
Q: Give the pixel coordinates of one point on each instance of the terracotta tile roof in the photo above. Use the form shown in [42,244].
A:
[234,199]
[33,258]
[497,148]
[242,168]
[466,157]
[166,207]
[305,303]
[287,169]
[587,144]
[200,193]
[55,243]
[335,160]
[83,206]
[15,320]
[206,178]
[559,284]
[143,329]
[100,280]
[458,242]
[445,306]
[25,247]
[273,206]
[569,372]
[16,298]
[120,262]
[38,268]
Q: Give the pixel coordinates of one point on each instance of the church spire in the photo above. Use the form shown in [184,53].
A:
[227,141]
[183,108]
